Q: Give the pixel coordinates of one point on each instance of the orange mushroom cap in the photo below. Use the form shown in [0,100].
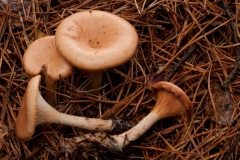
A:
[34,110]
[171,102]
[96,40]
[26,119]
[43,53]
[177,100]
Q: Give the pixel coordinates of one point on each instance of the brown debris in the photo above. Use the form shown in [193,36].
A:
[15,9]
[225,106]
[3,135]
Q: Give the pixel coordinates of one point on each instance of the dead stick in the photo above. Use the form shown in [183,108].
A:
[235,38]
[230,151]
[179,64]
[13,15]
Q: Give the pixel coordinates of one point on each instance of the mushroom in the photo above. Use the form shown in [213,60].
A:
[34,110]
[171,102]
[42,56]
[95,40]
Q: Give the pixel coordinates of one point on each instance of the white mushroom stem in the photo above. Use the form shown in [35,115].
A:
[171,101]
[137,131]
[47,114]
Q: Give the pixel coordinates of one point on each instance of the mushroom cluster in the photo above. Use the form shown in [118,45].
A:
[93,47]
[89,40]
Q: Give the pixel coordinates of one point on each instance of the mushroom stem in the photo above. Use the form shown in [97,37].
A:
[137,131]
[50,85]
[95,82]
[50,96]
[47,114]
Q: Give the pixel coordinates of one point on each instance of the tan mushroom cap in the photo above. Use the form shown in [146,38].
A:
[26,119]
[177,100]
[34,110]
[171,101]
[96,40]
[43,52]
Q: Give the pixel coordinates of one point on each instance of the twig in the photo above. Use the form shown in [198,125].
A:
[230,151]
[235,38]
[178,65]
[13,15]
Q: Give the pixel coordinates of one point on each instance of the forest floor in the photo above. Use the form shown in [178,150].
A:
[203,34]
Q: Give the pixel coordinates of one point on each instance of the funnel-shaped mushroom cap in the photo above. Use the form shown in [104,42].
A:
[26,120]
[96,40]
[43,53]
[172,101]
[34,110]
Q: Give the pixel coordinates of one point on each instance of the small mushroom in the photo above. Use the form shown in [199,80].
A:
[171,101]
[34,110]
[42,56]
[95,41]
